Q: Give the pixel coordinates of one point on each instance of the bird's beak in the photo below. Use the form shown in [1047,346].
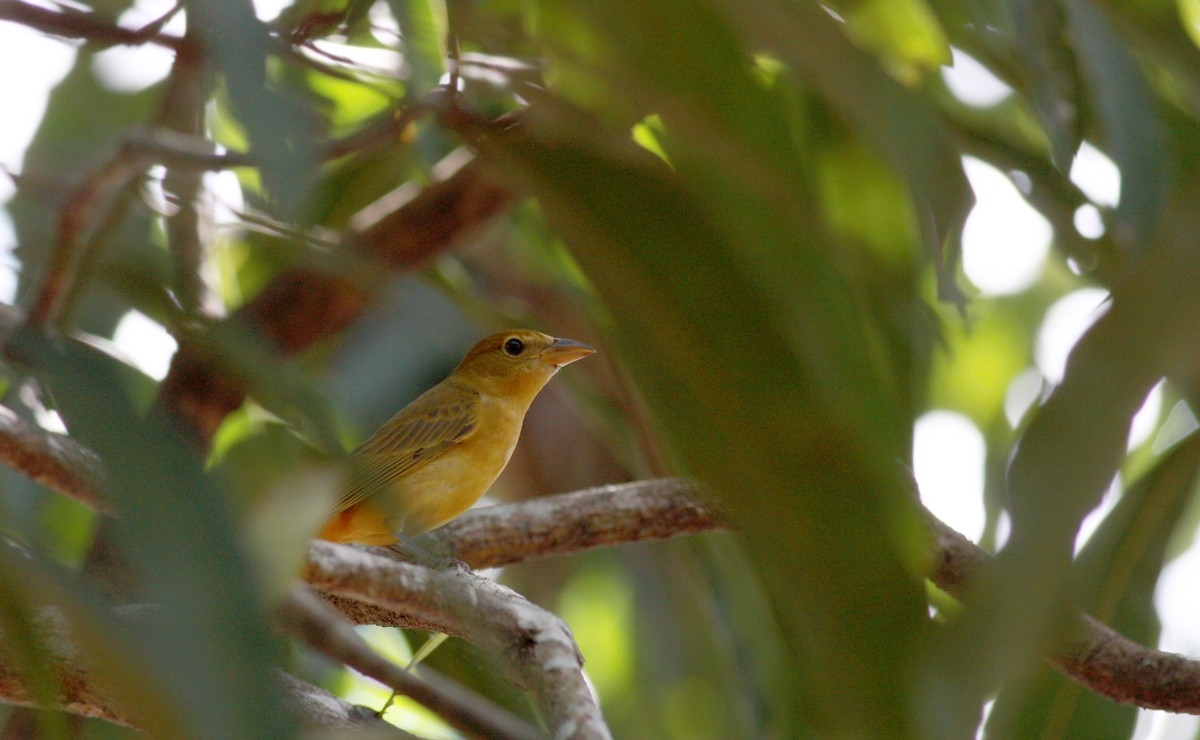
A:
[565,351]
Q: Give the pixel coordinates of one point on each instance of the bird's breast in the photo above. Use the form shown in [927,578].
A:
[453,482]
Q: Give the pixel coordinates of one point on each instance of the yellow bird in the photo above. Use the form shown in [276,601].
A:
[435,458]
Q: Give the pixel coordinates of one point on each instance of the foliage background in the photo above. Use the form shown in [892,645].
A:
[754,209]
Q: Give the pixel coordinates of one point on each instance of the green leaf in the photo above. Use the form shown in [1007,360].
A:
[769,404]
[905,33]
[282,133]
[423,25]
[1065,460]
[903,130]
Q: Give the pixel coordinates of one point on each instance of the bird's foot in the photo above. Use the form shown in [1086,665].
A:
[413,553]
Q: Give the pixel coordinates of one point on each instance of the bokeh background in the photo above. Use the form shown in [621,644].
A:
[780,310]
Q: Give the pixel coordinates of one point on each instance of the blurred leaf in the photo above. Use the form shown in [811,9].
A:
[83,124]
[280,524]
[23,645]
[907,134]
[423,27]
[357,181]
[1132,131]
[973,371]
[281,132]
[598,605]
[1050,74]
[1115,578]
[207,641]
[1065,460]
[670,274]
[275,383]
[905,33]
[256,452]
[865,201]
[123,659]
[350,103]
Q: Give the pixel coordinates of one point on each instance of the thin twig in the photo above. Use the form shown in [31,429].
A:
[79,25]
[305,305]
[307,617]
[86,208]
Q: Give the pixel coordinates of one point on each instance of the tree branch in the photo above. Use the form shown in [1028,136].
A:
[494,536]
[535,647]
[1097,657]
[307,617]
[75,24]
[316,707]
[54,460]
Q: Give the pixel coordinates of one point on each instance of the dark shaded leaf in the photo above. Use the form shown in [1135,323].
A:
[1051,76]
[1132,131]
[206,636]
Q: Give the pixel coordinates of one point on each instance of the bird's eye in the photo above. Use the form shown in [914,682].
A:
[513,346]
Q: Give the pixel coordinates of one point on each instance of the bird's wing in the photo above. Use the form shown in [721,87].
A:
[443,416]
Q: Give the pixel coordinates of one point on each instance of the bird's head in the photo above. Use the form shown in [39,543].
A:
[518,362]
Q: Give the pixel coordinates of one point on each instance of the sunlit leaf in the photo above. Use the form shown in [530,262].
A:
[905,32]
[423,25]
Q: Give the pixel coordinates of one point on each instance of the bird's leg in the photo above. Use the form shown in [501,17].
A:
[410,551]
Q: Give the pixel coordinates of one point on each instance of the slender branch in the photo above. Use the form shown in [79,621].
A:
[306,616]
[182,111]
[303,306]
[535,647]
[77,223]
[54,460]
[179,150]
[79,25]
